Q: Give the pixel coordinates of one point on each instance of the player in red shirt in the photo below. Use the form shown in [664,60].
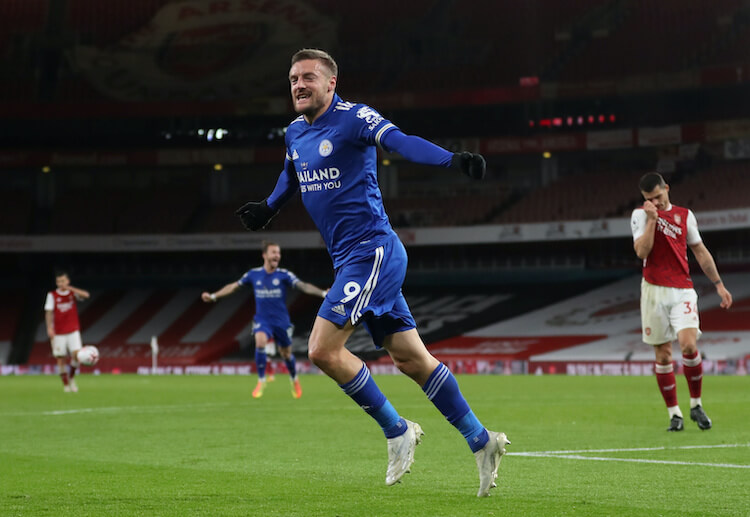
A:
[669,304]
[63,328]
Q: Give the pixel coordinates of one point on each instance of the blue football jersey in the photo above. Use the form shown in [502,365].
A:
[270,294]
[334,160]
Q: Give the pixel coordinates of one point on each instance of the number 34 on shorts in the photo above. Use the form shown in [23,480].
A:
[667,310]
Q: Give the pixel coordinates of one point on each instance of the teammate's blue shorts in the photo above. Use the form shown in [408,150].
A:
[282,335]
[368,291]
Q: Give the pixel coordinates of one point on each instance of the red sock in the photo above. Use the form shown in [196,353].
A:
[692,365]
[667,383]
[72,372]
[64,377]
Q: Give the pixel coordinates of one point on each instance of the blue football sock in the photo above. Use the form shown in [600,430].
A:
[442,389]
[260,362]
[291,365]
[363,390]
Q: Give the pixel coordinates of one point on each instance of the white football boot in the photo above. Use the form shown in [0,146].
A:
[73,386]
[401,452]
[488,459]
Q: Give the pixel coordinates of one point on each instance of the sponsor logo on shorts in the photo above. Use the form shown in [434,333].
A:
[648,331]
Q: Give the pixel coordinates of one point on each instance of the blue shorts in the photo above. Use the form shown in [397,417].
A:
[369,291]
[282,335]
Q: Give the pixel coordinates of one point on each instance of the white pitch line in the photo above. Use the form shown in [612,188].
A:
[628,460]
[638,449]
[74,411]
[577,455]
[60,412]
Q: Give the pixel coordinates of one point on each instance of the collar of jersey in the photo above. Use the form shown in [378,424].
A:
[336,99]
[62,293]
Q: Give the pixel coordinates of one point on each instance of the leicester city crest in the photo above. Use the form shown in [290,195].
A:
[325,148]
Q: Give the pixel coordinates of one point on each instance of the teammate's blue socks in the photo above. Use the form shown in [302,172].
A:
[260,362]
[291,365]
[363,390]
[442,389]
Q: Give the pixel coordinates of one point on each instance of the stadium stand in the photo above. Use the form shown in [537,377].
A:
[482,58]
[21,22]
[595,194]
[11,305]
[16,208]
[429,48]
[91,211]
[734,50]
[651,38]
[105,23]
[417,211]
[103,211]
[525,321]
[447,211]
[589,195]
[122,322]
[21,18]
[162,211]
[572,41]
[221,218]
[726,185]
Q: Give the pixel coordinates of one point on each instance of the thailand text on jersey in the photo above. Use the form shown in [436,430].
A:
[334,161]
[667,263]
[64,310]
[271,290]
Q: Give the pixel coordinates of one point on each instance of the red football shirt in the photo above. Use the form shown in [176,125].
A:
[65,311]
[667,264]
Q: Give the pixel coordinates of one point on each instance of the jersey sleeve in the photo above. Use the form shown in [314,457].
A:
[693,235]
[245,280]
[368,126]
[416,149]
[49,303]
[638,223]
[291,278]
[286,185]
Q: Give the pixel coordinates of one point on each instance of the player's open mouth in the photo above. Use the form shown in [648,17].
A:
[303,97]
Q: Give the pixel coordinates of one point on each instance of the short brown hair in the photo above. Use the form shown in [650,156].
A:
[265,244]
[321,55]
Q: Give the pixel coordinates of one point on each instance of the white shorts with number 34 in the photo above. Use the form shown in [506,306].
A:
[64,344]
[667,310]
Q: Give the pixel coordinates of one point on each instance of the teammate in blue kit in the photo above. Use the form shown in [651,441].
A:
[270,284]
[331,158]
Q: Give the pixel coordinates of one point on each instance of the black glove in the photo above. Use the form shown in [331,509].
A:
[255,215]
[471,164]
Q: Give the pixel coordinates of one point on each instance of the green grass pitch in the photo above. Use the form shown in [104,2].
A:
[182,446]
